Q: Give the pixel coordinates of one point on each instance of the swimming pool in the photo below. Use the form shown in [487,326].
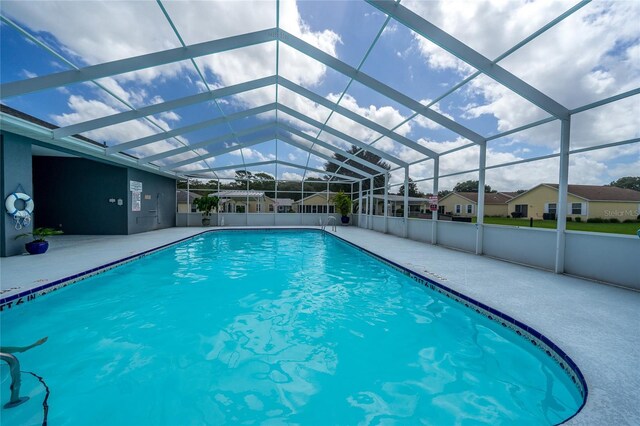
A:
[275,326]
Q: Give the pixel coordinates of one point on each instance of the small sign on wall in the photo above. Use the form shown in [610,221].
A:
[135,186]
[147,196]
[136,201]
[136,195]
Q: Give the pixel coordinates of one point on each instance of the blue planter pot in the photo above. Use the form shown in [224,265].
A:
[37,247]
[345,219]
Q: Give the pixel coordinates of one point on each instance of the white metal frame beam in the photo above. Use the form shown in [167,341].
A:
[190,128]
[372,83]
[225,150]
[254,132]
[454,46]
[213,141]
[292,130]
[110,120]
[228,138]
[264,163]
[122,66]
[286,139]
[355,117]
[343,136]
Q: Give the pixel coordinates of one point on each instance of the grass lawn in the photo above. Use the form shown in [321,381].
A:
[612,228]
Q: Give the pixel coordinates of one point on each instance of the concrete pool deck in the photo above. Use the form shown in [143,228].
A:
[595,324]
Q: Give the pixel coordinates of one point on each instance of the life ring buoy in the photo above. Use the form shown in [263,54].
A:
[10,205]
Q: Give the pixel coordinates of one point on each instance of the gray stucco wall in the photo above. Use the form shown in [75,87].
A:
[73,194]
[15,168]
[158,202]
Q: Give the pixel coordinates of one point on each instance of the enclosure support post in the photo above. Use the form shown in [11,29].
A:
[360,204]
[188,203]
[563,183]
[352,203]
[371,202]
[480,210]
[406,201]
[275,194]
[218,207]
[246,208]
[386,203]
[301,212]
[434,215]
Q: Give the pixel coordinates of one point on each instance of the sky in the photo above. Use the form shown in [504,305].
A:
[591,55]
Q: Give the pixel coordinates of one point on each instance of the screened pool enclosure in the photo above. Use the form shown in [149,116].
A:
[345,95]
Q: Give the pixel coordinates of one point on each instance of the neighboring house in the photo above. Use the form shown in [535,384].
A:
[185,201]
[465,204]
[417,205]
[583,201]
[236,201]
[320,202]
[285,205]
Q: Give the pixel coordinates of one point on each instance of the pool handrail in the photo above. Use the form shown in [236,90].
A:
[329,220]
[14,367]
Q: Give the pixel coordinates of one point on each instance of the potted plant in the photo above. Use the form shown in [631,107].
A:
[343,205]
[206,205]
[39,244]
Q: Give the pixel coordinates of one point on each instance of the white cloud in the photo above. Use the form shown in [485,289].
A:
[28,74]
[390,29]
[291,176]
[291,157]
[170,116]
[576,62]
[252,154]
[593,54]
[84,110]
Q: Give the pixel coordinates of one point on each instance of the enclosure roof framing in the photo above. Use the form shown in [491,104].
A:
[443,39]
[267,122]
[264,163]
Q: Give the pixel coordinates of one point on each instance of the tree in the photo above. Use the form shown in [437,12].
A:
[470,186]
[443,193]
[627,182]
[378,181]
[413,189]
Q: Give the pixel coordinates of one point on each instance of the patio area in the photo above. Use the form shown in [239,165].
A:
[592,322]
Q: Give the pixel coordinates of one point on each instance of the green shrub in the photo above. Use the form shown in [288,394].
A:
[614,220]
[630,221]
[343,203]
[578,219]
[595,220]
[569,219]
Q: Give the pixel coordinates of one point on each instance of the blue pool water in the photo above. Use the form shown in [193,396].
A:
[273,327]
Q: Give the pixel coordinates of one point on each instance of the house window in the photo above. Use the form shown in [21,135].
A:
[314,209]
[552,208]
[332,209]
[258,207]
[469,208]
[576,208]
[270,207]
[458,208]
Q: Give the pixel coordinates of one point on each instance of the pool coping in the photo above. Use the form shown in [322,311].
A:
[537,339]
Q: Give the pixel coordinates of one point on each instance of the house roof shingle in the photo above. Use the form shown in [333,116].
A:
[489,197]
[182,196]
[601,193]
